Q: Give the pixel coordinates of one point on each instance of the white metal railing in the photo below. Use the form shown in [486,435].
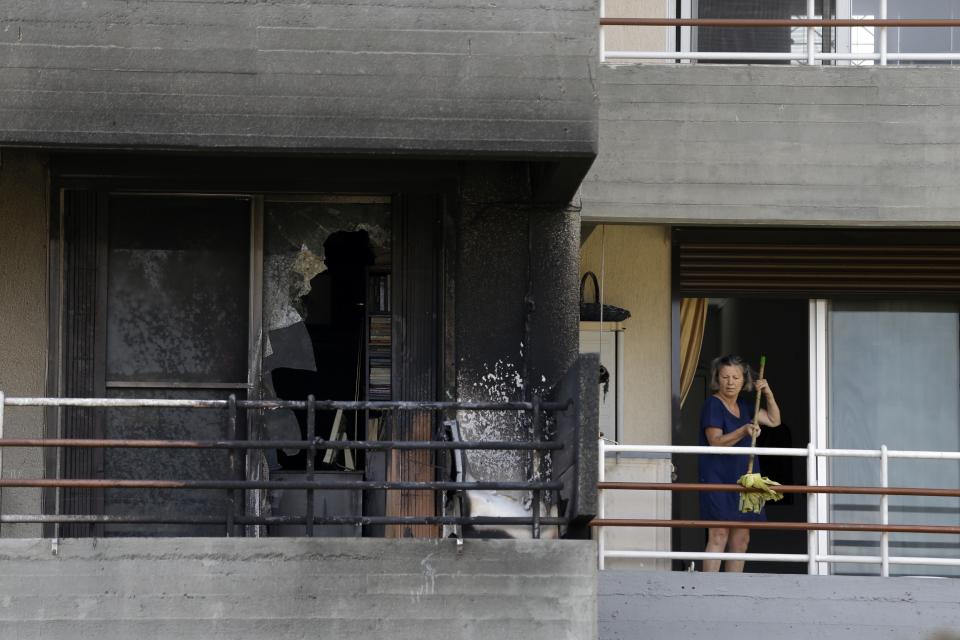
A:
[816,544]
[808,53]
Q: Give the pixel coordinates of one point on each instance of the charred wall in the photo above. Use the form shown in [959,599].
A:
[510,268]
[516,304]
[393,76]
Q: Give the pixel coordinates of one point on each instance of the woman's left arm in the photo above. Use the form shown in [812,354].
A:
[770,416]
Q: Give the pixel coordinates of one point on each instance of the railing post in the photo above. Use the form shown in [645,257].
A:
[883,33]
[535,467]
[884,513]
[311,459]
[2,405]
[811,32]
[601,511]
[232,457]
[812,550]
[603,42]
[686,33]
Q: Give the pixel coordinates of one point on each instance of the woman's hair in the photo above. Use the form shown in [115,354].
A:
[730,361]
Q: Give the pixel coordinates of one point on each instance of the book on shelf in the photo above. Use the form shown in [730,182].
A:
[379,336]
[379,392]
[380,328]
[378,293]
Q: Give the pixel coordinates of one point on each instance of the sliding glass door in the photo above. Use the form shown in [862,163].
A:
[893,378]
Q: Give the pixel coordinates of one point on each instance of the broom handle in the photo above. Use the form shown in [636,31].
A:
[756,414]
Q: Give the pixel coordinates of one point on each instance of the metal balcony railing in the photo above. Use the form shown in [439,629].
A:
[817,513]
[809,53]
[233,518]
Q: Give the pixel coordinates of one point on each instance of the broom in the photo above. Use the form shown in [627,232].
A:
[753,501]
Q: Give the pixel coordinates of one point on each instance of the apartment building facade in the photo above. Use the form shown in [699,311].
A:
[215,212]
[797,203]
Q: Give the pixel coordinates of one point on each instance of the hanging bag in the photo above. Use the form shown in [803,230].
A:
[591,310]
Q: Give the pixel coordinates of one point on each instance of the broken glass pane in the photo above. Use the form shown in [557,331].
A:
[316,257]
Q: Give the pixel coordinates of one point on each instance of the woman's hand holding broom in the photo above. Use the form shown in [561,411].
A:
[752,502]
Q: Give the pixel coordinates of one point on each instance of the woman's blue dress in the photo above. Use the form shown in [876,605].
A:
[724,469]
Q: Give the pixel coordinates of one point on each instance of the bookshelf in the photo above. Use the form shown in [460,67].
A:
[378,372]
[379,335]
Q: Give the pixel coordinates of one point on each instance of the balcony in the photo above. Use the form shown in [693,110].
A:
[884,32]
[820,557]
[236,503]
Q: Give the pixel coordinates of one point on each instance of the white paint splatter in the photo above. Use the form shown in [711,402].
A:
[429,586]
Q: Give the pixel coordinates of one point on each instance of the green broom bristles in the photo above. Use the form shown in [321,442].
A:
[753,501]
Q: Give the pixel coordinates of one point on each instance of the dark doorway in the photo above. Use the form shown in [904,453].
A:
[334,315]
[750,327]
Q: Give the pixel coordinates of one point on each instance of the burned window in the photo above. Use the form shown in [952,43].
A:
[177,316]
[317,265]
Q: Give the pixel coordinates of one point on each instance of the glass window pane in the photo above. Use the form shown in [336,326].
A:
[895,380]
[910,39]
[177,290]
[761,39]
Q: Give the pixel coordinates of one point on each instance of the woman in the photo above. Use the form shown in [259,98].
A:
[727,421]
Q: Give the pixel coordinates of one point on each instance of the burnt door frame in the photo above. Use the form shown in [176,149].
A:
[78,330]
[259,179]
[418,262]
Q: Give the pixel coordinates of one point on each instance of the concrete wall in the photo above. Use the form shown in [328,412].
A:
[723,606]
[777,145]
[298,588]
[428,75]
[24,218]
[636,276]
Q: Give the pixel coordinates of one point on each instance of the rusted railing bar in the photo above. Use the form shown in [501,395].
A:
[787,526]
[779,22]
[397,405]
[232,463]
[276,444]
[268,520]
[535,468]
[701,486]
[278,484]
[324,405]
[376,520]
[311,461]
[111,519]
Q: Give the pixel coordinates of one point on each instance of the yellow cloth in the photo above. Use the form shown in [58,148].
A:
[693,320]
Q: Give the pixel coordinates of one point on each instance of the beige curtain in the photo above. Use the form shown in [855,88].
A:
[693,320]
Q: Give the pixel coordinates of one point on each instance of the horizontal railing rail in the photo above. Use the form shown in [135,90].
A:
[784,488]
[778,526]
[233,518]
[809,53]
[780,22]
[814,522]
[318,405]
[273,520]
[368,445]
